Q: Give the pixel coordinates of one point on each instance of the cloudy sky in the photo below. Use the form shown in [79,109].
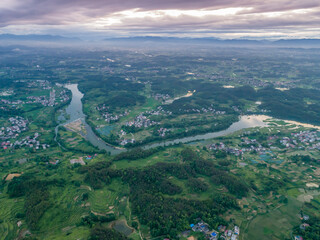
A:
[191,18]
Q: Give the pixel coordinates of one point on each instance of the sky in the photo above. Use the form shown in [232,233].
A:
[251,19]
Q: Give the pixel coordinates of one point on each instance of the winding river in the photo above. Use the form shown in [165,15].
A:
[245,121]
[74,110]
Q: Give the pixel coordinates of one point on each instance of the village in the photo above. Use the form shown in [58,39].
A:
[80,160]
[162,132]
[303,226]
[109,117]
[12,102]
[210,110]
[308,140]
[303,139]
[6,93]
[17,126]
[28,141]
[43,84]
[211,234]
[126,141]
[52,100]
[161,97]
[143,119]
[43,100]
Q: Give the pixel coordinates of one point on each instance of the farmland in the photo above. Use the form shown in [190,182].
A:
[256,181]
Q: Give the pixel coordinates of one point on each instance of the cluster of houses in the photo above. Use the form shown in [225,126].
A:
[44,84]
[253,146]
[302,139]
[6,93]
[254,82]
[81,161]
[157,112]
[64,96]
[141,121]
[162,131]
[122,133]
[236,109]
[210,110]
[229,234]
[12,102]
[222,233]
[43,100]
[126,141]
[161,97]
[221,146]
[303,225]
[18,125]
[29,141]
[109,117]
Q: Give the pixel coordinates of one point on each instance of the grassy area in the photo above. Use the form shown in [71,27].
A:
[276,223]
[8,210]
[107,199]
[74,141]
[168,155]
[263,214]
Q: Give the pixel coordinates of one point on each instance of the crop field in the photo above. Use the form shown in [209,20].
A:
[264,180]
[275,224]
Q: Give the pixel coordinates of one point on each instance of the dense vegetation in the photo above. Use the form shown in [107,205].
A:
[98,174]
[289,104]
[302,159]
[158,193]
[102,233]
[197,185]
[136,153]
[125,100]
[311,231]
[36,194]
[152,192]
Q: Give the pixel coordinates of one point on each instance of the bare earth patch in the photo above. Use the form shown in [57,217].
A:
[312,185]
[12,175]
[75,126]
[79,160]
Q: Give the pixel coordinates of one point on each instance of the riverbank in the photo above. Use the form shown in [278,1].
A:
[75,111]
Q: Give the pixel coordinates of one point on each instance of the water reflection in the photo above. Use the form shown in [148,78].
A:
[74,110]
[246,121]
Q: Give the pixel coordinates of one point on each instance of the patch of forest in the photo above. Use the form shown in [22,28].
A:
[155,198]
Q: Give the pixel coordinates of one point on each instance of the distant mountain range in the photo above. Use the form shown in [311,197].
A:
[150,39]
[35,37]
[280,43]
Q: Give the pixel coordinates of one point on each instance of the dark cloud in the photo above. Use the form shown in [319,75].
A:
[255,15]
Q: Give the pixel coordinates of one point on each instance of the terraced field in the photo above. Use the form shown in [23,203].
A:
[8,210]
[64,215]
[107,199]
